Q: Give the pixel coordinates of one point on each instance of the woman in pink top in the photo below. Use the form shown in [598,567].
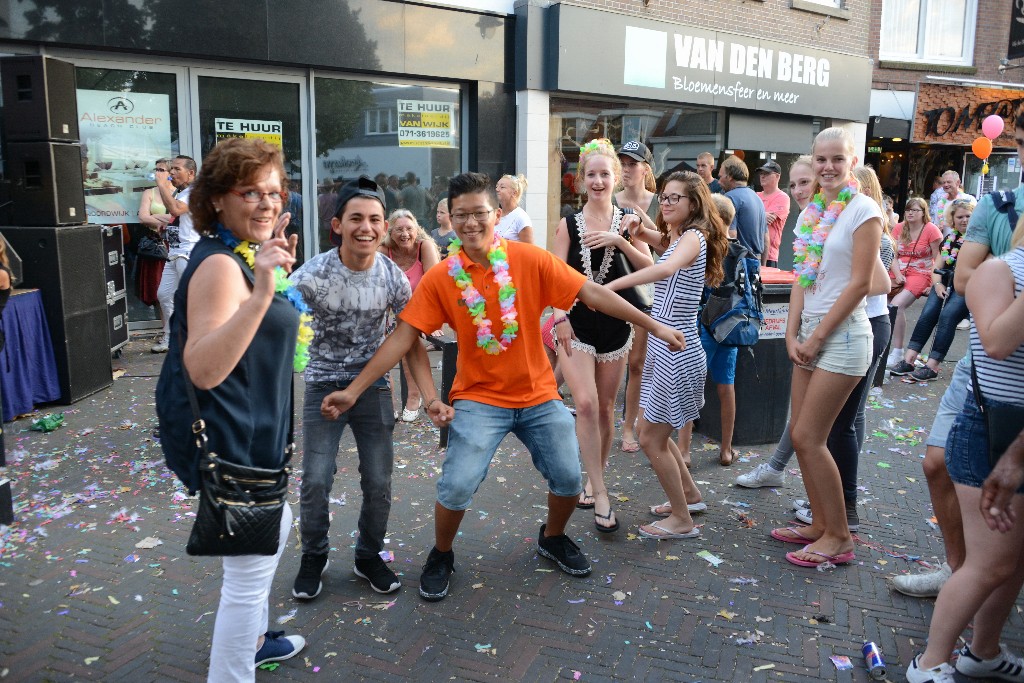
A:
[917,244]
[412,250]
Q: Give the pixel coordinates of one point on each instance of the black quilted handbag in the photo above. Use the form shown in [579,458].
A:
[240,507]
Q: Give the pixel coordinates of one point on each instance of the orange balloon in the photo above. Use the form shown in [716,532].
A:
[982,148]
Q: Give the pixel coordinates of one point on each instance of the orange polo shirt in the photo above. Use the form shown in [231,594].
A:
[519,377]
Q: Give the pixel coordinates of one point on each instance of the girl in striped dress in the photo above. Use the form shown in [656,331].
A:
[672,387]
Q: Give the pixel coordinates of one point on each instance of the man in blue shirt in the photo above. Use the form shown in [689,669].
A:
[750,226]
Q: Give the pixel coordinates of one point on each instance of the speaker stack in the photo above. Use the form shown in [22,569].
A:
[61,255]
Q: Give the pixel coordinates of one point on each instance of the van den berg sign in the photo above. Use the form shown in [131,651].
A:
[659,60]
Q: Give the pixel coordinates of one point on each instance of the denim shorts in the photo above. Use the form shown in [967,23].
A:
[967,446]
[721,359]
[548,431]
[847,351]
[951,404]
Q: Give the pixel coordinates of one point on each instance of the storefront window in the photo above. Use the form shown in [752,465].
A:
[937,31]
[127,120]
[404,136]
[1003,174]
[675,135]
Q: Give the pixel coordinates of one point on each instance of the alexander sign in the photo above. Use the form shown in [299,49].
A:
[612,54]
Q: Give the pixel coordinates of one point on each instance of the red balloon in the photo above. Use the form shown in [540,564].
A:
[982,148]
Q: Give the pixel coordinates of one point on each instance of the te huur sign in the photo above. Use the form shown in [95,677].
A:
[952,114]
[610,54]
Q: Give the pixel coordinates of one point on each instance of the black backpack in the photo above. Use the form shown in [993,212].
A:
[1005,201]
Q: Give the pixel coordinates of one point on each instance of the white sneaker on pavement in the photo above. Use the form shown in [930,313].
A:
[943,673]
[1004,666]
[924,585]
[762,475]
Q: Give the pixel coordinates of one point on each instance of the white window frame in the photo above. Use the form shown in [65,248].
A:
[390,129]
[924,37]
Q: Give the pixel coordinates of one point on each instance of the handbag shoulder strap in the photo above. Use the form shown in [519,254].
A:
[978,398]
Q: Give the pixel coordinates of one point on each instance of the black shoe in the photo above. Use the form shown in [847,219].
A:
[307,582]
[377,572]
[436,575]
[901,368]
[566,554]
[852,518]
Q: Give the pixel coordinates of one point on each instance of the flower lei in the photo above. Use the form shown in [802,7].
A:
[951,247]
[814,230]
[282,285]
[475,303]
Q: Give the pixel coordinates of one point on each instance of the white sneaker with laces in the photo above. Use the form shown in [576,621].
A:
[762,475]
[1004,666]
[924,585]
[943,673]
[964,324]
[895,356]
[161,346]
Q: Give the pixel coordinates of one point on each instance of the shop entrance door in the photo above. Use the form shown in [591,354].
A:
[235,104]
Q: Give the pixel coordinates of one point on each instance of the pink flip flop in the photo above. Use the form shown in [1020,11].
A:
[795,530]
[844,558]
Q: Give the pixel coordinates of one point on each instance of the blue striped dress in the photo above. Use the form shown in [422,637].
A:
[672,387]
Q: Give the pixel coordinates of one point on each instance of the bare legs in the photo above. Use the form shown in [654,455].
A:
[675,479]
[984,588]
[817,398]
[594,386]
[946,506]
[446,522]
[902,302]
[637,354]
[727,403]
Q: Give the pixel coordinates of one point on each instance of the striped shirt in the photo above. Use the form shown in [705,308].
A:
[1002,380]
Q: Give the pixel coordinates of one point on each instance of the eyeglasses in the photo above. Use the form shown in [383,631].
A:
[671,199]
[160,170]
[255,197]
[480,216]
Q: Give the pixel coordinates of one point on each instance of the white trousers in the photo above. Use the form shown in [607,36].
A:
[173,270]
[242,615]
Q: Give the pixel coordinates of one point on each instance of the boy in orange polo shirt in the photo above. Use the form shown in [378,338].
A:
[492,293]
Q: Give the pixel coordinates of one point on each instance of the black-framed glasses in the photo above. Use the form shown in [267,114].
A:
[160,170]
[480,216]
[671,199]
[255,197]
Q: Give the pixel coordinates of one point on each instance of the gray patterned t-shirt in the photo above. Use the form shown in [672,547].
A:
[350,310]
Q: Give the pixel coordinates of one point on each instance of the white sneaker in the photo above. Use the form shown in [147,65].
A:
[943,673]
[924,585]
[964,324]
[1004,666]
[895,356]
[807,517]
[762,475]
[161,346]
[799,504]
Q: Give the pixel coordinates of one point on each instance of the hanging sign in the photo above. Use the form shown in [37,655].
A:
[249,128]
[425,124]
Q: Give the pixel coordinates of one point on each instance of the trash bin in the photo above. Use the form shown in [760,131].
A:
[762,377]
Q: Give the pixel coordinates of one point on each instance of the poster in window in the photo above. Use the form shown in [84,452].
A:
[425,124]
[271,131]
[122,134]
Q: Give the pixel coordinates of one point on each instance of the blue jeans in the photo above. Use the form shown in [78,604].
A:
[372,419]
[967,446]
[941,315]
[547,430]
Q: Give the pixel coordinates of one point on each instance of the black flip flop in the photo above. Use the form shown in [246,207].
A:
[585,506]
[605,529]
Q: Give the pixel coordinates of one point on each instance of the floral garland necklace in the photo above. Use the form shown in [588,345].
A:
[951,247]
[282,285]
[814,229]
[475,303]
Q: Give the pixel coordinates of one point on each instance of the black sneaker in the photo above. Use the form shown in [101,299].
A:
[436,575]
[307,582]
[377,572]
[901,368]
[566,554]
[852,518]
[924,374]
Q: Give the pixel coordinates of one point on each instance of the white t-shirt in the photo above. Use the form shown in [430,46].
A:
[512,223]
[182,237]
[837,256]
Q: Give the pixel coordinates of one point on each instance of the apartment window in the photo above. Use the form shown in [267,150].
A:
[930,31]
[380,121]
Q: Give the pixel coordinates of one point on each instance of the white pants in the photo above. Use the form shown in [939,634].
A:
[242,615]
[173,270]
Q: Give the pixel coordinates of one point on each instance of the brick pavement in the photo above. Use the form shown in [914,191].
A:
[79,601]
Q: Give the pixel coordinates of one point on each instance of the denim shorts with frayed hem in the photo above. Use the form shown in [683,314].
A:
[548,431]
[967,446]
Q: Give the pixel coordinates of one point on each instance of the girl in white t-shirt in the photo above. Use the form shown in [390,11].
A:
[514,225]
[828,336]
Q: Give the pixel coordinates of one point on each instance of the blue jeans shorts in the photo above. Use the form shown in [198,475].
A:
[548,431]
[951,404]
[721,359]
[967,446]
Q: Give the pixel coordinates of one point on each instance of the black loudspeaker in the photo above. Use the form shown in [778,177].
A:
[40,102]
[44,183]
[66,264]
